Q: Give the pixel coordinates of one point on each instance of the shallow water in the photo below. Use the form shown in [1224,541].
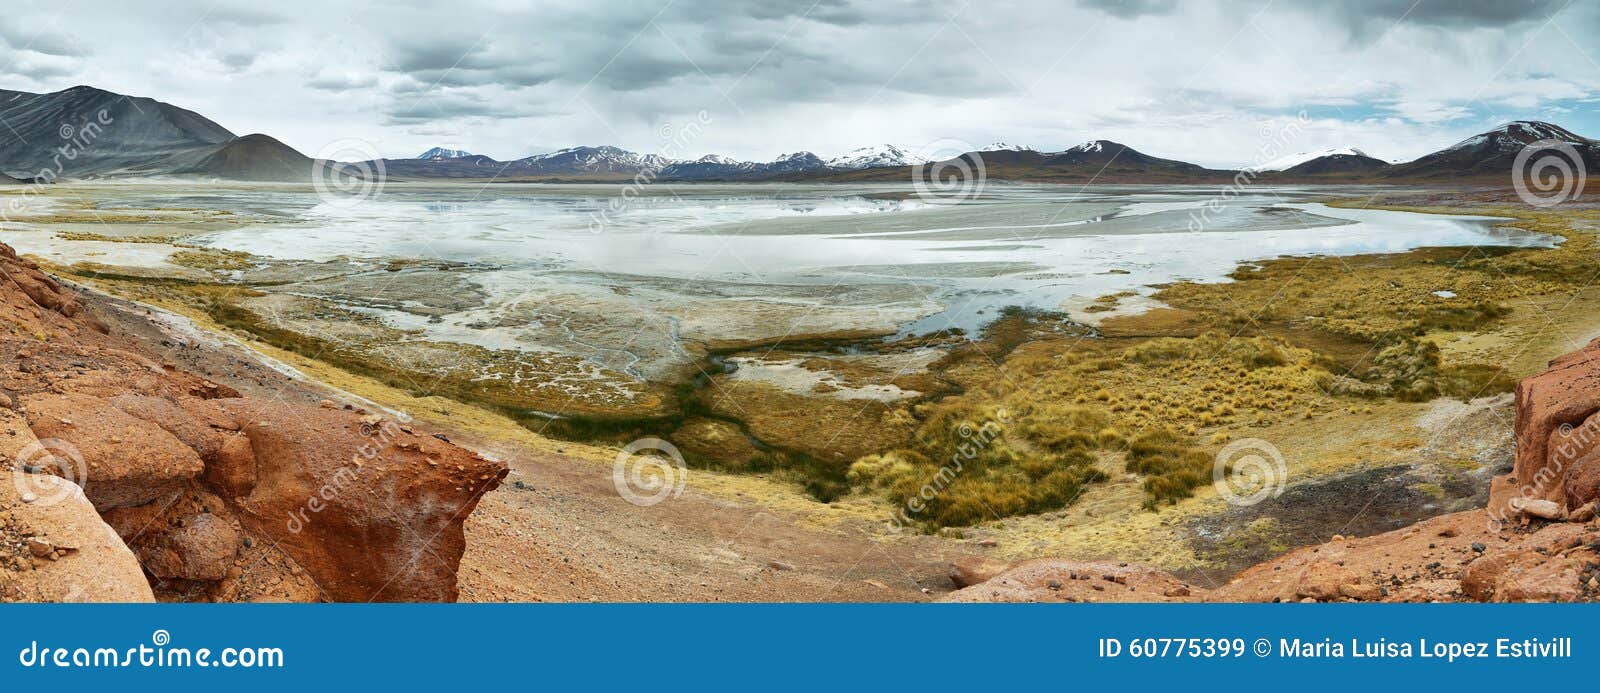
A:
[1018,245]
[582,268]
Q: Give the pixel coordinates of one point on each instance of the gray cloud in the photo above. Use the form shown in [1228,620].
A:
[41,39]
[1130,9]
[1371,18]
[828,75]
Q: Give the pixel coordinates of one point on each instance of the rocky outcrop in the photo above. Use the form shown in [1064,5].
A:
[206,494]
[371,508]
[1558,435]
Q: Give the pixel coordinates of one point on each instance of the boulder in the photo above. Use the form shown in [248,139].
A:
[189,536]
[1583,482]
[967,571]
[1324,581]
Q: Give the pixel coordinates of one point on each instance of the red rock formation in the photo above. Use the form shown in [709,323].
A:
[192,476]
[1558,433]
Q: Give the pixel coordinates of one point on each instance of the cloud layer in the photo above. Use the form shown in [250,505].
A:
[1197,81]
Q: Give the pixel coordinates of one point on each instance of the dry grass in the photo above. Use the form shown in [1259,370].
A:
[1290,339]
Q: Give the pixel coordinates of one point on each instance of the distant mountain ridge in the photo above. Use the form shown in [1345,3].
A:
[104,134]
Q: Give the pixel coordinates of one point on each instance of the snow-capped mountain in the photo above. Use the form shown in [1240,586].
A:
[1495,152]
[1514,135]
[441,153]
[1006,147]
[717,167]
[1289,161]
[797,162]
[1106,154]
[875,157]
[589,160]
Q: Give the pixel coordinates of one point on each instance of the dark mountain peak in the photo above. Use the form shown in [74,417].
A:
[1108,154]
[1517,134]
[1494,153]
[1353,163]
[1097,146]
[442,153]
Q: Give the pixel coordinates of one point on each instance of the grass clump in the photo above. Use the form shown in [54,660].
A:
[1172,466]
[969,466]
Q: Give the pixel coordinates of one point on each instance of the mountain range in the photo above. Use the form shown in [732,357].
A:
[84,132]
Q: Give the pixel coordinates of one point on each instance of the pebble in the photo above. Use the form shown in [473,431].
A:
[40,548]
[1479,547]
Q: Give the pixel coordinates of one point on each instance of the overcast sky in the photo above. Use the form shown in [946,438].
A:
[1208,82]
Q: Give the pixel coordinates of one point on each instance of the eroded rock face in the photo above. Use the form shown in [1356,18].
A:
[1557,429]
[209,494]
